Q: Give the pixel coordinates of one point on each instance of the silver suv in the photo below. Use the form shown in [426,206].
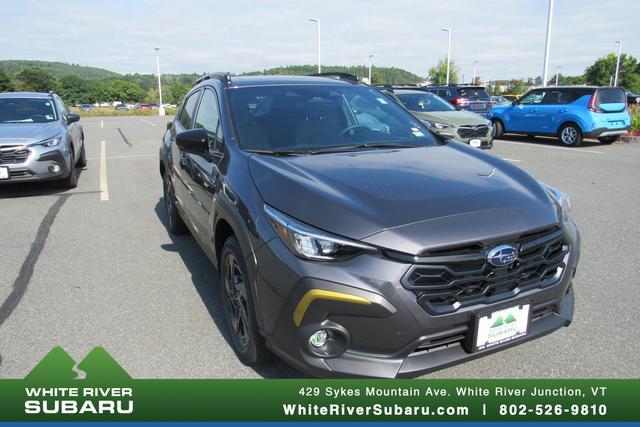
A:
[40,140]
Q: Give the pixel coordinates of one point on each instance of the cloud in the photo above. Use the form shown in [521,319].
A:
[507,37]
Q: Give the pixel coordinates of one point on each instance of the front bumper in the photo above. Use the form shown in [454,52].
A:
[600,132]
[486,141]
[389,334]
[36,166]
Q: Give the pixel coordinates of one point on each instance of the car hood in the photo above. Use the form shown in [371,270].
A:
[405,199]
[456,118]
[27,133]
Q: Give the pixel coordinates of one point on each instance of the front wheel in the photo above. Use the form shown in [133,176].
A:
[71,181]
[608,139]
[498,129]
[82,161]
[238,307]
[175,223]
[570,134]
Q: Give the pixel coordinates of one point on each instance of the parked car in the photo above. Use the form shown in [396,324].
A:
[445,120]
[349,240]
[570,113]
[85,107]
[464,97]
[511,97]
[121,107]
[145,107]
[40,139]
[500,100]
[633,98]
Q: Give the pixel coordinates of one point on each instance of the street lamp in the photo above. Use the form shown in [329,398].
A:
[475,68]
[547,45]
[160,106]
[371,56]
[615,79]
[557,74]
[448,30]
[317,20]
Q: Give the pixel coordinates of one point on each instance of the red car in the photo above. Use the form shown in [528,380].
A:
[145,107]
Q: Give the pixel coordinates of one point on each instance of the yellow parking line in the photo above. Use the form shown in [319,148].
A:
[104,187]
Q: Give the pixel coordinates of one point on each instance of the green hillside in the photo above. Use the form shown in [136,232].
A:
[59,69]
[379,75]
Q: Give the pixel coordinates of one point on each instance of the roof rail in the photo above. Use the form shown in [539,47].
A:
[224,77]
[351,78]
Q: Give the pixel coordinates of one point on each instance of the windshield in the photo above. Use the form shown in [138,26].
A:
[424,102]
[310,118]
[473,92]
[27,110]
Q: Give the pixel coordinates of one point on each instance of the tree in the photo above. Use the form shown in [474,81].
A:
[177,91]
[99,91]
[517,86]
[601,72]
[438,73]
[122,90]
[5,82]
[35,80]
[74,90]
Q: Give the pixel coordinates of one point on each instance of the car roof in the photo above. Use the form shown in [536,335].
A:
[415,91]
[248,81]
[25,95]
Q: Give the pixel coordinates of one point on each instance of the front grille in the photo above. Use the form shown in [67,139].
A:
[473,131]
[448,280]
[12,154]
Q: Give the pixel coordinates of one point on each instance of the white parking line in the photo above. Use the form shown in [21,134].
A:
[125,157]
[101,124]
[148,122]
[104,188]
[525,144]
[512,160]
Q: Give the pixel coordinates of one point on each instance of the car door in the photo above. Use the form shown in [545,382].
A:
[550,111]
[73,129]
[523,117]
[205,177]
[181,163]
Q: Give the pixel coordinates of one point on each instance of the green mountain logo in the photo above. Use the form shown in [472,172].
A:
[500,321]
[97,366]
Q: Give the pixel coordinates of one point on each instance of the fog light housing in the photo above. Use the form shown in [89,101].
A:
[319,338]
[54,167]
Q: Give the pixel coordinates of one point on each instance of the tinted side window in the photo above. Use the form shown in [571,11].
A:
[208,118]
[188,110]
[533,98]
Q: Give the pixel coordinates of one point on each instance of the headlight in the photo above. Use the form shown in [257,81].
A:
[440,125]
[52,142]
[561,198]
[311,243]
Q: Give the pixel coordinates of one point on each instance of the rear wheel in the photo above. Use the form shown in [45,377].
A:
[570,134]
[609,139]
[238,305]
[498,129]
[175,223]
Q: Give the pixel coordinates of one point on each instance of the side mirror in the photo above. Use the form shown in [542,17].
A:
[194,141]
[72,118]
[516,102]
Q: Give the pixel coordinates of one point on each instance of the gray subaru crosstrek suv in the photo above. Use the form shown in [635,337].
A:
[40,139]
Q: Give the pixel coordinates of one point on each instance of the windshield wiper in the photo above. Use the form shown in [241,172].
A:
[352,147]
[275,152]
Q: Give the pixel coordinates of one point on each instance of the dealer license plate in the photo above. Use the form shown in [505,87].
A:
[475,143]
[502,326]
[4,172]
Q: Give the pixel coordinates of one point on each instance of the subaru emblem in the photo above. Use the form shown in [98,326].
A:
[502,255]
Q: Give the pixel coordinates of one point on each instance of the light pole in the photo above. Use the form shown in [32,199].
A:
[475,68]
[615,79]
[448,30]
[558,74]
[547,45]
[371,56]
[160,107]
[317,20]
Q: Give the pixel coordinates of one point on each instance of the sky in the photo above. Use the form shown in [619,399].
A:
[507,37]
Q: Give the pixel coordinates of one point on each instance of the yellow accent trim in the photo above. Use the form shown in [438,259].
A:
[315,294]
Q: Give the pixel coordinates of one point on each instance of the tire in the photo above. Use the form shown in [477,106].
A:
[82,161]
[570,134]
[71,181]
[237,302]
[498,129]
[609,139]
[530,136]
[175,223]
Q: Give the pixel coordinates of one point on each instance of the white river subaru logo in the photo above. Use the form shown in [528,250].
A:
[502,255]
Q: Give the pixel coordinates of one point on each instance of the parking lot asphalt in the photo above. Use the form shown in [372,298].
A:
[96,266]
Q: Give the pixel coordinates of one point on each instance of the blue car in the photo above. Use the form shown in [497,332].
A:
[570,113]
